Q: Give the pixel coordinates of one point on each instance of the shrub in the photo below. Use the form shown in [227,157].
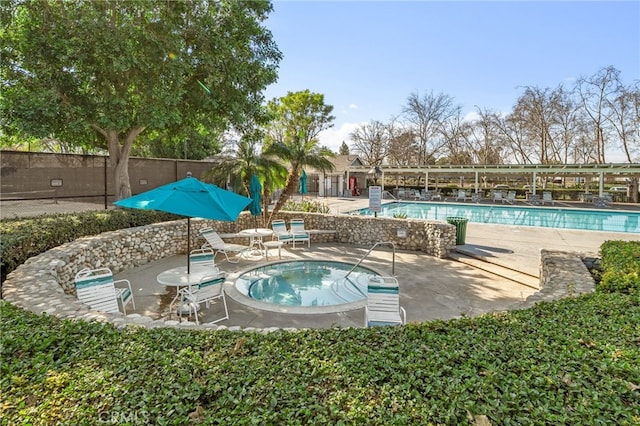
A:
[28,237]
[621,267]
[307,206]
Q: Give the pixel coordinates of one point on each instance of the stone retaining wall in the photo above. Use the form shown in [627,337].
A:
[562,274]
[45,283]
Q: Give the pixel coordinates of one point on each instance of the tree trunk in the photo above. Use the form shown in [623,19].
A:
[633,194]
[119,157]
[289,189]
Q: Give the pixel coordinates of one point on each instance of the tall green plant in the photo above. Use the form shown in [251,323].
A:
[298,118]
[245,160]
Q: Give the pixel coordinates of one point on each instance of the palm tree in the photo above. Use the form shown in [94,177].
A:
[298,152]
[237,166]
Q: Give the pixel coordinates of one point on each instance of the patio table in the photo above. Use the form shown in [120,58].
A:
[178,277]
[255,239]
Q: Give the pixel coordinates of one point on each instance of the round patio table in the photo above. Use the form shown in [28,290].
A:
[255,239]
[178,277]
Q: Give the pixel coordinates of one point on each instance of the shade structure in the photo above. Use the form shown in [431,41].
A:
[255,188]
[190,197]
[302,183]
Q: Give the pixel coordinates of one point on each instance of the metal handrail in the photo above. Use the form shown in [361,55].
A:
[393,261]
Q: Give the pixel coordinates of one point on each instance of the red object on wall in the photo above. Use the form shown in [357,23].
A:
[353,185]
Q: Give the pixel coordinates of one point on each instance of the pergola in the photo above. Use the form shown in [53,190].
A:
[599,170]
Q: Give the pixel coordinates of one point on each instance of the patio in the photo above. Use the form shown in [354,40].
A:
[430,288]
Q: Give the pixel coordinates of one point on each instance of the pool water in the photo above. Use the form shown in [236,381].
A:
[548,217]
[305,283]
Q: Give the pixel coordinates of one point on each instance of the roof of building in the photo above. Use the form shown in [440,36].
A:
[341,164]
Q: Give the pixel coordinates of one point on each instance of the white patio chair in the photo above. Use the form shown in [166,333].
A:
[203,257]
[214,242]
[511,197]
[298,233]
[497,196]
[97,288]
[547,197]
[208,290]
[462,195]
[280,231]
[383,303]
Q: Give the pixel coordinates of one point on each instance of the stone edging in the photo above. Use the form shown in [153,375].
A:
[44,283]
[562,274]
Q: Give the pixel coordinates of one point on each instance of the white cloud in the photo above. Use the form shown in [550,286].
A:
[353,106]
[471,116]
[332,138]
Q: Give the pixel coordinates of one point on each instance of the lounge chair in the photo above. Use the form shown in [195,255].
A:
[497,196]
[96,288]
[208,290]
[424,196]
[383,303]
[280,231]
[462,195]
[436,195]
[534,199]
[298,233]
[511,197]
[547,197]
[215,243]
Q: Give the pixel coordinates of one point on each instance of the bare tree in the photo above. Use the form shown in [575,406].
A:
[595,95]
[456,136]
[512,134]
[370,142]
[401,148]
[624,117]
[568,127]
[426,115]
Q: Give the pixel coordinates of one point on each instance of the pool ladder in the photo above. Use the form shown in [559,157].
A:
[379,243]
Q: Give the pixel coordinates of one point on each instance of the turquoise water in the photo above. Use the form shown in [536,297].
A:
[548,217]
[305,283]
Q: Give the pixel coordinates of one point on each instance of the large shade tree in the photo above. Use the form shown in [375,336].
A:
[100,73]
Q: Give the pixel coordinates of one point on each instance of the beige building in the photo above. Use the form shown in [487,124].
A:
[339,182]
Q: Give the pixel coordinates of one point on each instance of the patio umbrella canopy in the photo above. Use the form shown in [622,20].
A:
[302,183]
[191,198]
[255,188]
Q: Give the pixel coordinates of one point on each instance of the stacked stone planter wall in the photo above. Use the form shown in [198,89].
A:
[45,283]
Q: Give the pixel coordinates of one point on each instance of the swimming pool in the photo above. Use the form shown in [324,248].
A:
[306,283]
[548,217]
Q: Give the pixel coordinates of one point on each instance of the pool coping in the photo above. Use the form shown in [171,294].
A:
[232,291]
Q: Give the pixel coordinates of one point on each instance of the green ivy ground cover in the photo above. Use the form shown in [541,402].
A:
[576,361]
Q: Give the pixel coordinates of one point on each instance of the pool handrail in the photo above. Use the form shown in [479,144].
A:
[393,261]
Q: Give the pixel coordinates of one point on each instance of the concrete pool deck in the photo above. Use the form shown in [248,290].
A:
[430,288]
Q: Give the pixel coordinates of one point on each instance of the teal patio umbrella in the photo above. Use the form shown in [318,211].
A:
[255,189]
[302,183]
[190,197]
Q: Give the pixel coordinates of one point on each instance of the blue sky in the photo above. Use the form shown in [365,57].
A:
[367,57]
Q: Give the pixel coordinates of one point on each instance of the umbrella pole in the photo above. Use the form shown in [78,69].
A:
[188,244]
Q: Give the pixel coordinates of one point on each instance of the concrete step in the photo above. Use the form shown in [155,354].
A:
[493,268]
